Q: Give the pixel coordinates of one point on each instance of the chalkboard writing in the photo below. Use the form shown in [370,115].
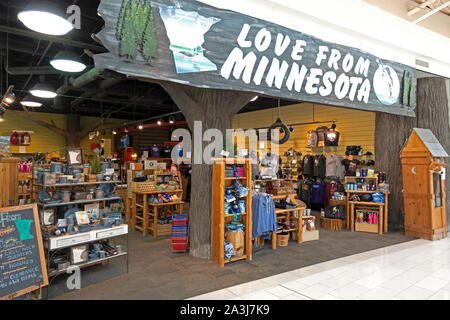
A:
[22,262]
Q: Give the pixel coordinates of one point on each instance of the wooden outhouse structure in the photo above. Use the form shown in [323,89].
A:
[424,198]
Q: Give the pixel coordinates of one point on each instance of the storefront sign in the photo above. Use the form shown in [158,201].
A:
[22,267]
[195,44]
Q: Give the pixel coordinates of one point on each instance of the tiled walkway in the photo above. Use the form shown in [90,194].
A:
[417,269]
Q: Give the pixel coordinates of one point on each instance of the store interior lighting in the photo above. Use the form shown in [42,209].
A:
[43,90]
[67,61]
[159,122]
[254,99]
[45,17]
[30,102]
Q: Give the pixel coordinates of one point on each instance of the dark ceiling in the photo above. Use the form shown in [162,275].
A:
[25,57]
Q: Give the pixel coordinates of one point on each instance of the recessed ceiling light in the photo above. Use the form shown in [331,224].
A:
[43,90]
[45,17]
[67,61]
[28,101]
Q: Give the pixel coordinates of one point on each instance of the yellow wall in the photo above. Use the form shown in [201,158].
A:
[45,140]
[356,127]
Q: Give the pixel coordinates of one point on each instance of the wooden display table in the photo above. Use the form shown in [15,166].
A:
[149,221]
[382,209]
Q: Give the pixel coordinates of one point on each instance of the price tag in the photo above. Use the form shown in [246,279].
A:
[225,153]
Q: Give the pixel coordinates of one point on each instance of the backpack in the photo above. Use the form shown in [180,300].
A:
[311,139]
[321,132]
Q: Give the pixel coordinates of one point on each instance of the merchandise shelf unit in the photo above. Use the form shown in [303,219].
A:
[218,216]
[353,206]
[55,245]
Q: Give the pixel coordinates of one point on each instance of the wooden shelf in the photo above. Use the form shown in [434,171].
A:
[86,264]
[57,185]
[236,259]
[368,203]
[164,204]
[220,219]
[277,211]
[156,191]
[282,196]
[232,215]
[48,205]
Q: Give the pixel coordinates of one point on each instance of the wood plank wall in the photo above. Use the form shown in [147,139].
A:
[45,140]
[356,127]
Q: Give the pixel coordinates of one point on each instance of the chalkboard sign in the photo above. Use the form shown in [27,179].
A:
[22,267]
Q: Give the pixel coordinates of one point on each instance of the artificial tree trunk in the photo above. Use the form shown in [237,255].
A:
[73,138]
[215,109]
[392,131]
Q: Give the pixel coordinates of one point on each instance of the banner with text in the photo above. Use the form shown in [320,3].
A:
[195,44]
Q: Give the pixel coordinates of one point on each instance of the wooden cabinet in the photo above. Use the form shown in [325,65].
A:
[424,186]
[8,181]
[219,219]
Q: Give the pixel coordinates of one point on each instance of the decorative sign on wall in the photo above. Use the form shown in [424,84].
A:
[195,44]
[22,267]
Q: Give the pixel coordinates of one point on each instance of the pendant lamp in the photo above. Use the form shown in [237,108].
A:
[45,17]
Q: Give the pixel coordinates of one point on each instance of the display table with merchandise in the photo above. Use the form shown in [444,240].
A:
[381,208]
[146,214]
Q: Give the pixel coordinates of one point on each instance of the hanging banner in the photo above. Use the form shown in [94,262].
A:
[195,44]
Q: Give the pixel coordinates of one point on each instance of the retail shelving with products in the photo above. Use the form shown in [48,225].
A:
[365,215]
[220,219]
[80,224]
[155,200]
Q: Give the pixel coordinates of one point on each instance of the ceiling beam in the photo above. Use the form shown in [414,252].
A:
[442,6]
[62,40]
[420,7]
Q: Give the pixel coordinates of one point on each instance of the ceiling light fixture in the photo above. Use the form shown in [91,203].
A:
[45,17]
[43,90]
[1,117]
[67,61]
[28,101]
[9,97]
[171,120]
[254,99]
[159,122]
[114,132]
[140,127]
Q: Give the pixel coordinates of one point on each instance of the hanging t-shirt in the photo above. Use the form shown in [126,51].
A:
[125,141]
[321,132]
[319,166]
[332,138]
[311,139]
[154,151]
[334,167]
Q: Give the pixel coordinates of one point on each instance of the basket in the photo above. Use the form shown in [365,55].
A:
[144,186]
[282,240]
